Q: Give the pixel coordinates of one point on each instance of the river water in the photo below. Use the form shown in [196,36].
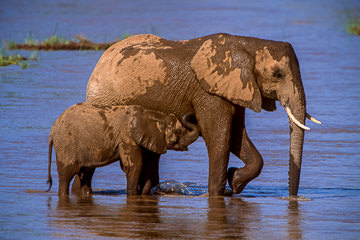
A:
[32,99]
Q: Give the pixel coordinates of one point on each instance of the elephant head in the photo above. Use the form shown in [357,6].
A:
[254,73]
[178,137]
[157,131]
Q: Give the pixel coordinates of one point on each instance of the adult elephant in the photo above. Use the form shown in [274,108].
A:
[214,77]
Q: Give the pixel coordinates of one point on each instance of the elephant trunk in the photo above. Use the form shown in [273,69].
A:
[193,133]
[296,145]
[292,97]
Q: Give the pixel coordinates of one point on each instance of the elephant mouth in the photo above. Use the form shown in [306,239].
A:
[178,147]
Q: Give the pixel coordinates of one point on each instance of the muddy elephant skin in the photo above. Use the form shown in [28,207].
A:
[214,77]
[86,137]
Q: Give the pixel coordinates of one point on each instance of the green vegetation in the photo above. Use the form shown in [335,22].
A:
[55,40]
[353,27]
[352,20]
[52,43]
[59,43]
[15,59]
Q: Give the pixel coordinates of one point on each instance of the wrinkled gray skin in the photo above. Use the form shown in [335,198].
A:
[214,77]
[86,137]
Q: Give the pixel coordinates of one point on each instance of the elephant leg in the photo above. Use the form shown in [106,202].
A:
[133,168]
[150,172]
[214,118]
[65,175]
[243,148]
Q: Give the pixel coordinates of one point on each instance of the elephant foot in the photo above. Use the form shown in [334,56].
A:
[237,179]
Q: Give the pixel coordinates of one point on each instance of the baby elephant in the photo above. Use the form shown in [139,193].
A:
[86,137]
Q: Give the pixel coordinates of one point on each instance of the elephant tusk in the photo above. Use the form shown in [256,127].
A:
[313,119]
[291,116]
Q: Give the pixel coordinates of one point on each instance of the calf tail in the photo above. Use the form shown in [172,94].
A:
[49,181]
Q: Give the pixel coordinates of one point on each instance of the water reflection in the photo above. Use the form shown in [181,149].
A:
[85,216]
[294,221]
[156,217]
[229,217]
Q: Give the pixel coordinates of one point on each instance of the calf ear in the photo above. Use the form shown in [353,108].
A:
[147,129]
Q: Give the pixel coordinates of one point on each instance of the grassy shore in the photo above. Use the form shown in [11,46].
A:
[59,43]
[15,59]
[353,27]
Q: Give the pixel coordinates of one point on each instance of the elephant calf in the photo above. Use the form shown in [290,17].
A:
[87,136]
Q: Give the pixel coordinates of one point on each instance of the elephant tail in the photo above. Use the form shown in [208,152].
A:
[49,181]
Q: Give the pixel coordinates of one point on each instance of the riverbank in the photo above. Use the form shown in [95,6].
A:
[59,43]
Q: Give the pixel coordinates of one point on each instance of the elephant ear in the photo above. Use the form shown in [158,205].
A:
[224,68]
[147,129]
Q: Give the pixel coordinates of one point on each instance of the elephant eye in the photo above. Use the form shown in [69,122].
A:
[277,74]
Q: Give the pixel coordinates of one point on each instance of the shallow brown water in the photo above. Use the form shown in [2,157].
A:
[31,100]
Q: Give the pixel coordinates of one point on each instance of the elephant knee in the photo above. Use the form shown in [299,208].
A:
[256,166]
[253,163]
[238,178]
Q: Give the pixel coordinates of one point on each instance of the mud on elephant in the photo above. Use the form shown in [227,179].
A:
[214,77]
[87,136]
